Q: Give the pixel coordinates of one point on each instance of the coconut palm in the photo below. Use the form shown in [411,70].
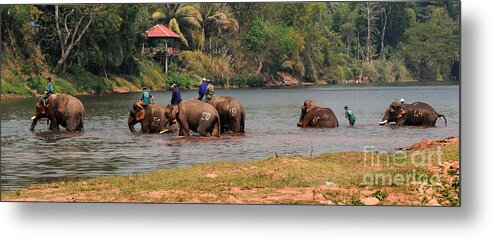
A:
[217,19]
[184,19]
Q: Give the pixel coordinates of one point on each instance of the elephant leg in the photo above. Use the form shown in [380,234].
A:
[184,129]
[202,128]
[72,124]
[145,128]
[236,125]
[216,130]
[54,125]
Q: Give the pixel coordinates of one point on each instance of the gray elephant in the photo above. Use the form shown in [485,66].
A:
[316,117]
[61,110]
[197,116]
[232,113]
[415,114]
[153,118]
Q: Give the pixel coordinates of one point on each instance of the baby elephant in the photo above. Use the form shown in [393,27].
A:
[316,117]
[415,114]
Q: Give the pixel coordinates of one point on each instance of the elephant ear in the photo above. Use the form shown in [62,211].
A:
[140,115]
[401,112]
[309,104]
[174,112]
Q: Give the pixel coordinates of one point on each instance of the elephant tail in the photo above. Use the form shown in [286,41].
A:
[445,120]
[243,118]
[217,128]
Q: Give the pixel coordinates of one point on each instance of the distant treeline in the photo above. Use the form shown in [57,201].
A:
[96,48]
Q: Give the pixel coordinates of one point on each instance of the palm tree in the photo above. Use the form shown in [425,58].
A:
[217,19]
[184,19]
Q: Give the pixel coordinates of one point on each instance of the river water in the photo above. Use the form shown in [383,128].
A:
[108,148]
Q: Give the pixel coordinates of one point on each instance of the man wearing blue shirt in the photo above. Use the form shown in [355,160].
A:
[176,96]
[202,90]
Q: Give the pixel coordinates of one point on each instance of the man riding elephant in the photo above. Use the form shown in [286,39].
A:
[61,110]
[415,114]
[209,91]
[49,90]
[146,97]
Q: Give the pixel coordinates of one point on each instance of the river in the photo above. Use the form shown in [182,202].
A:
[108,148]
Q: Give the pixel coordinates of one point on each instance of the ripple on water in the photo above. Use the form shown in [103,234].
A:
[108,148]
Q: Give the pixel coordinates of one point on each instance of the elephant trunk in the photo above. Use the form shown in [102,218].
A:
[34,122]
[303,113]
[131,124]
[385,120]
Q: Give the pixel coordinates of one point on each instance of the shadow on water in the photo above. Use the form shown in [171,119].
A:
[55,136]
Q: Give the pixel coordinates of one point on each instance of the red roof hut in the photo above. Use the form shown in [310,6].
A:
[160,36]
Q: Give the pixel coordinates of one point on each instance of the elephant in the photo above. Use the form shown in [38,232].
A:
[195,115]
[415,114]
[153,118]
[61,110]
[232,113]
[316,117]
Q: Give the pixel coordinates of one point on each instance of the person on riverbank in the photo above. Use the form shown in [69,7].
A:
[49,90]
[402,101]
[202,90]
[146,97]
[209,92]
[349,114]
[176,95]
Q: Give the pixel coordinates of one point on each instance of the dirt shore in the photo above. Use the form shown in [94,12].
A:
[347,178]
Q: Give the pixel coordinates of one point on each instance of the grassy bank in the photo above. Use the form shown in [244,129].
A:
[333,178]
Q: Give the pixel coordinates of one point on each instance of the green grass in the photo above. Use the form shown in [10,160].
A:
[290,180]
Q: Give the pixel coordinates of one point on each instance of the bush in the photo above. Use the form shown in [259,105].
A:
[249,80]
[37,83]
[85,81]
[196,63]
[152,75]
[130,66]
[255,81]
[173,76]
[400,71]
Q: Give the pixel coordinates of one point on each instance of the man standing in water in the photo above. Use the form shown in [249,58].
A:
[349,114]
[210,92]
[176,95]
[49,90]
[146,97]
[202,89]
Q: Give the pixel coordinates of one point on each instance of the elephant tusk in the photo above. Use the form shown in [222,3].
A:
[383,122]
[33,117]
[165,131]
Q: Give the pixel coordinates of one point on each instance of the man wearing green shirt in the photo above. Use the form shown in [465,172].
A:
[146,97]
[49,90]
[349,114]
[210,92]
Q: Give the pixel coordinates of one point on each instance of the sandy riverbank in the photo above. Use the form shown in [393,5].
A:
[346,178]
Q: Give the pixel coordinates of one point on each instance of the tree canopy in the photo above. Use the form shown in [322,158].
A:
[315,42]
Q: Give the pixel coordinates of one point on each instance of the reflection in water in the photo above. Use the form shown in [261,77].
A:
[107,147]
